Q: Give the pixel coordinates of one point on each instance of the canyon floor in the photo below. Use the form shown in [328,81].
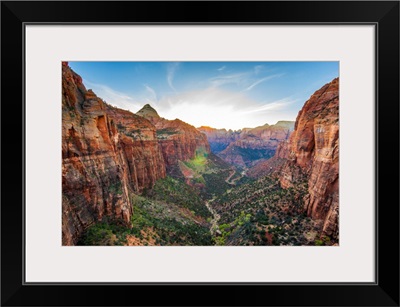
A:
[214,204]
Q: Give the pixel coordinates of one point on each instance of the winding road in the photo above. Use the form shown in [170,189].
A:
[230,176]
[216,217]
[233,182]
[214,222]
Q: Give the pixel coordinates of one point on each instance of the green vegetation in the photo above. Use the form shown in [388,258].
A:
[324,240]
[247,211]
[177,192]
[319,242]
[197,164]
[262,213]
[165,133]
[157,222]
[215,183]
[104,233]
[170,226]
[242,224]
[208,172]
[116,188]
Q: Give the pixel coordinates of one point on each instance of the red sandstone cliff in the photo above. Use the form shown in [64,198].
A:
[178,140]
[312,154]
[95,180]
[108,154]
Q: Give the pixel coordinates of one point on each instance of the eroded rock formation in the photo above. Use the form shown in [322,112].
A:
[109,154]
[178,140]
[312,154]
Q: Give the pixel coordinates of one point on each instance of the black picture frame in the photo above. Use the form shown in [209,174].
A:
[383,14]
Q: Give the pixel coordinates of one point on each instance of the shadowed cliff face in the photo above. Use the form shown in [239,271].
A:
[219,139]
[312,152]
[110,154]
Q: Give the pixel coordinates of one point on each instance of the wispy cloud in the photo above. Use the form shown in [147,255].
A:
[245,80]
[272,106]
[114,97]
[151,92]
[171,69]
[229,109]
[257,82]
[221,68]
[238,79]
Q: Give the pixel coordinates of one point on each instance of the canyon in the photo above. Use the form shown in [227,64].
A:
[140,179]
[244,148]
[110,154]
[312,154]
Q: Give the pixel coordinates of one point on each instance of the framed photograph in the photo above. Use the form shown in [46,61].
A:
[240,146]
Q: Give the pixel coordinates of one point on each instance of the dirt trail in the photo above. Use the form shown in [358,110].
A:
[230,176]
[233,182]
[216,217]
[214,222]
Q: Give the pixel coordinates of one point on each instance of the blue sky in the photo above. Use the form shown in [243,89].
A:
[231,95]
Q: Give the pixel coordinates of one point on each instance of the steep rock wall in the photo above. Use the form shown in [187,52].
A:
[312,154]
[101,167]
[315,147]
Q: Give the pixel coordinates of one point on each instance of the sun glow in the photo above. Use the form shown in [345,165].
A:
[230,95]
[222,109]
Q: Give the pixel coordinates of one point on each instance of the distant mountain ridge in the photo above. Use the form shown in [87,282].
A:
[247,146]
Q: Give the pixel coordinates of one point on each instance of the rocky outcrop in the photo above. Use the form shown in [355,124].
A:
[149,113]
[138,141]
[179,141]
[312,154]
[95,179]
[109,154]
[246,147]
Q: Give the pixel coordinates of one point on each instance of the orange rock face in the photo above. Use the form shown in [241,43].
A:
[178,140]
[109,154]
[140,148]
[318,154]
[94,173]
[312,152]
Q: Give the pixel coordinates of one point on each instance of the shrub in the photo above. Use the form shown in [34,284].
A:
[318,242]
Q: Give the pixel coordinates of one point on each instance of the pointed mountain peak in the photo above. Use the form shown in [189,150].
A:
[148,112]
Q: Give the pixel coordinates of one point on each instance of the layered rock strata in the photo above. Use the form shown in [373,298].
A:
[178,140]
[312,154]
[108,154]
